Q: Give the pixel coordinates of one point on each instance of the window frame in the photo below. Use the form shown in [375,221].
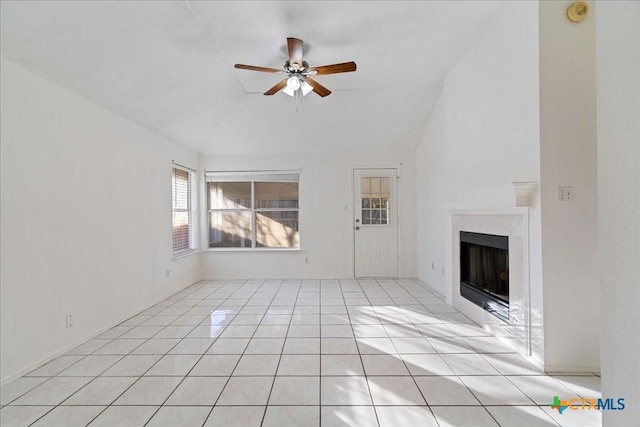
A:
[192,210]
[251,177]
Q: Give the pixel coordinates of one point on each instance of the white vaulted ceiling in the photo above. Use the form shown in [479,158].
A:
[169,66]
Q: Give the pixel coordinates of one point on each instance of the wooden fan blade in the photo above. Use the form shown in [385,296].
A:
[318,88]
[344,67]
[254,68]
[294,46]
[277,88]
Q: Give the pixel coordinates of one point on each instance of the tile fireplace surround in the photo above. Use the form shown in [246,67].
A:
[515,225]
[503,211]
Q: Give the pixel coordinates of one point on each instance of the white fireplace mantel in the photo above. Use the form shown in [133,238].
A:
[524,193]
[513,195]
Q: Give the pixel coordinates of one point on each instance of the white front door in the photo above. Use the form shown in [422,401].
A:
[375,223]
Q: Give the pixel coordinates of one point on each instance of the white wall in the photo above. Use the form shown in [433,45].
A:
[483,134]
[491,107]
[618,83]
[521,107]
[568,158]
[86,222]
[326,216]
[430,190]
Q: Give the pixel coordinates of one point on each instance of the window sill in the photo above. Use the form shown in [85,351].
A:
[184,254]
[263,250]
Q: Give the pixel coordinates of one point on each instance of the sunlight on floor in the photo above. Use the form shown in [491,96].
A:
[292,353]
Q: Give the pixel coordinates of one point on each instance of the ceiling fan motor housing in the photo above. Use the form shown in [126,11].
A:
[295,67]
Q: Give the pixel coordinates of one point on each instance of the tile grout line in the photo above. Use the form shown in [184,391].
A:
[275,375]
[242,354]
[366,376]
[194,365]
[161,356]
[208,348]
[407,368]
[94,378]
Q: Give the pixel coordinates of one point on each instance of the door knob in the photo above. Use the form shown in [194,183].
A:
[357,228]
[357,220]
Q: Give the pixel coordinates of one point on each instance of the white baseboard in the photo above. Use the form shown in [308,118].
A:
[430,288]
[571,370]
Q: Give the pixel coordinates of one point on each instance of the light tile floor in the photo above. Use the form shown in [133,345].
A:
[295,353]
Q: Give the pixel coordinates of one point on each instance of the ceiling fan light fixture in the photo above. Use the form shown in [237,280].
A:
[306,88]
[287,90]
[293,83]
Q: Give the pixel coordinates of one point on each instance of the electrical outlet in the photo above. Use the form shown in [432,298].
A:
[167,273]
[433,265]
[306,260]
[565,193]
[69,321]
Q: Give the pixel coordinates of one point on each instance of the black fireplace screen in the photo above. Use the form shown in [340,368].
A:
[484,271]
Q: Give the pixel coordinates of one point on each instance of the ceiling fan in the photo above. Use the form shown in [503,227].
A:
[298,72]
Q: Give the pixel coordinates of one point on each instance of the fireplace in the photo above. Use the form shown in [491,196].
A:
[484,272]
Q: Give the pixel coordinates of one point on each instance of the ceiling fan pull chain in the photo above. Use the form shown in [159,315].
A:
[298,96]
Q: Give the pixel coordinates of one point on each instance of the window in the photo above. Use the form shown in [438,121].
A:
[375,196]
[253,210]
[183,203]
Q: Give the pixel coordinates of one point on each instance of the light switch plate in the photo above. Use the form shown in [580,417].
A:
[565,193]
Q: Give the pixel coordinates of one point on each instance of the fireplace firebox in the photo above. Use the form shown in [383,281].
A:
[484,272]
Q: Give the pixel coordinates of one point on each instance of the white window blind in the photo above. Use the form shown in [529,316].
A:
[183,210]
[265,176]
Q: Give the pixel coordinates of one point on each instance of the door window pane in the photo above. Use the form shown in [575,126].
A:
[375,216]
[229,195]
[230,229]
[365,185]
[384,185]
[375,185]
[366,216]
